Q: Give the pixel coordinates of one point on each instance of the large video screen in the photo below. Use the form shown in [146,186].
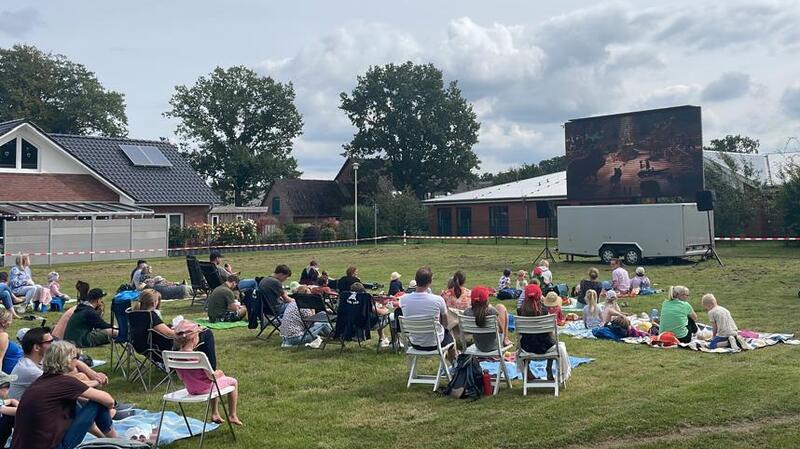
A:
[655,153]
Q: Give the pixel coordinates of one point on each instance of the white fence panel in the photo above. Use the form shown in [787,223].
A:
[112,239]
[27,237]
[149,237]
[70,236]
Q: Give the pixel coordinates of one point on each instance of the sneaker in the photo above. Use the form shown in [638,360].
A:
[743,344]
[315,344]
[385,343]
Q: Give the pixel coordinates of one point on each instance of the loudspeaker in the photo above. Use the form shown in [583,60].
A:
[542,209]
[705,200]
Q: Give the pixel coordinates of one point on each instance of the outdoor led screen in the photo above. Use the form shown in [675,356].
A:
[655,153]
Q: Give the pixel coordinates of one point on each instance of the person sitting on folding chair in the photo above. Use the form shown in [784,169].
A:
[226,270]
[423,304]
[293,331]
[187,338]
[87,328]
[540,343]
[378,317]
[480,309]
[272,288]
[222,302]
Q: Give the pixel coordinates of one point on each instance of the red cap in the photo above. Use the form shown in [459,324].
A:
[480,293]
[537,271]
[533,290]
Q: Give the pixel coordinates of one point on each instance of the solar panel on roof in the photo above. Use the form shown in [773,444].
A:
[145,156]
[135,154]
[157,158]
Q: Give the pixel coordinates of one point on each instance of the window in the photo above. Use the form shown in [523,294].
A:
[30,155]
[464,221]
[445,221]
[175,220]
[498,220]
[239,218]
[8,154]
[276,205]
[214,220]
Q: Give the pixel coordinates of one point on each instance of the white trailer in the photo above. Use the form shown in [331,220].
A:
[634,232]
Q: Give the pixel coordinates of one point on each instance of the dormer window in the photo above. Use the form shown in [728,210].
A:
[19,154]
[8,154]
[30,155]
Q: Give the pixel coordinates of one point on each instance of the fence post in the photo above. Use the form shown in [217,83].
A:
[49,241]
[91,245]
[404,237]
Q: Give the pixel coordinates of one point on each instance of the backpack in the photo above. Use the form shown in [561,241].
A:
[508,293]
[467,381]
[113,443]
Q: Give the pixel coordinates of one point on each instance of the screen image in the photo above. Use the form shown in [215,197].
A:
[656,153]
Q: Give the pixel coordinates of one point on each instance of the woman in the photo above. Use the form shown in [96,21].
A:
[187,338]
[456,296]
[589,284]
[537,343]
[480,309]
[48,410]
[350,278]
[395,285]
[147,317]
[10,351]
[310,273]
[677,315]
[21,282]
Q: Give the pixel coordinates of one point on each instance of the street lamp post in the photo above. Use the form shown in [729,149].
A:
[355,171]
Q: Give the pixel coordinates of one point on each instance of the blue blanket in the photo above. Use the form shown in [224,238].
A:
[537,367]
[173,428]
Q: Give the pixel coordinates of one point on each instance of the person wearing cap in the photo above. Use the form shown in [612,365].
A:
[480,309]
[611,309]
[395,285]
[226,270]
[535,343]
[620,279]
[223,306]
[87,328]
[421,304]
[640,284]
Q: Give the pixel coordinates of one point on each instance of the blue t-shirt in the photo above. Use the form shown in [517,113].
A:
[13,355]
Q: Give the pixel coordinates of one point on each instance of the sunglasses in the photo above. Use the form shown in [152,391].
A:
[47,342]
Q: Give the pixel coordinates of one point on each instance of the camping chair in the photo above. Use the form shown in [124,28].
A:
[534,325]
[211,275]
[333,284]
[192,360]
[468,326]
[120,344]
[317,304]
[151,355]
[199,283]
[268,316]
[352,318]
[417,326]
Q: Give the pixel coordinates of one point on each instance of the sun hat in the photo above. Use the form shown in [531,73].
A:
[606,285]
[395,276]
[640,271]
[52,276]
[533,290]
[412,284]
[7,378]
[21,333]
[611,294]
[480,294]
[552,300]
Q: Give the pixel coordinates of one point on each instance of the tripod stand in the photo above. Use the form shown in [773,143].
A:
[711,252]
[546,253]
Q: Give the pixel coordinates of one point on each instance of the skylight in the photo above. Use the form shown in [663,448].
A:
[145,156]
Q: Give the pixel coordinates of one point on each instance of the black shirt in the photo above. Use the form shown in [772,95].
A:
[140,323]
[272,289]
[346,282]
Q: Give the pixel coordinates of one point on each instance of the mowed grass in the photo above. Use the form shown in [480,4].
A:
[630,396]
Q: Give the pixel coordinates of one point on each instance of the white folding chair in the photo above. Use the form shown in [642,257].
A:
[468,326]
[423,327]
[186,361]
[537,325]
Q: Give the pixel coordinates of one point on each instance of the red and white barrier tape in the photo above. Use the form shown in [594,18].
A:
[758,239]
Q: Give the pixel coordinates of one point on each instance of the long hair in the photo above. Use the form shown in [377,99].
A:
[591,301]
[457,282]
[532,305]
[479,309]
[58,358]
[5,318]
[593,273]
[149,299]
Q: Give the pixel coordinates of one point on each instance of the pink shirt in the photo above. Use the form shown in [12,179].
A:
[55,289]
[196,380]
[621,280]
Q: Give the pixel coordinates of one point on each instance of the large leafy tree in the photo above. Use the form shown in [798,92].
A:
[788,199]
[526,171]
[238,127]
[423,129]
[59,95]
[734,144]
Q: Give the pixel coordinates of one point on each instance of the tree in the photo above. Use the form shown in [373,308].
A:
[424,130]
[734,144]
[545,167]
[788,199]
[239,127]
[57,94]
[397,212]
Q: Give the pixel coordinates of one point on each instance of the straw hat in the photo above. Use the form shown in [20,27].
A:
[395,276]
[640,271]
[552,300]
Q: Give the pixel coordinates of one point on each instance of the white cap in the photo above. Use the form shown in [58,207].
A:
[21,333]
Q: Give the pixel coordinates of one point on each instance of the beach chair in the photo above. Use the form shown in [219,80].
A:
[424,326]
[317,304]
[534,325]
[195,361]
[468,326]
[199,283]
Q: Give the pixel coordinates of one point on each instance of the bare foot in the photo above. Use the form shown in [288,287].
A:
[507,342]
[235,420]
[217,419]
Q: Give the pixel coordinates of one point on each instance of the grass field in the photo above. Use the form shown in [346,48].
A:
[631,396]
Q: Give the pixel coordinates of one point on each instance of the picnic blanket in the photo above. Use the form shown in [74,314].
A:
[537,367]
[220,325]
[173,428]
[756,340]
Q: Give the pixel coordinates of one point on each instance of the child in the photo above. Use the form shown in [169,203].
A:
[522,282]
[505,279]
[592,313]
[611,308]
[640,284]
[59,298]
[723,324]
[553,303]
[187,337]
[547,275]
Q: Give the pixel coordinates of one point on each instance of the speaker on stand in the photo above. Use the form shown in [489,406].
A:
[705,203]
[543,211]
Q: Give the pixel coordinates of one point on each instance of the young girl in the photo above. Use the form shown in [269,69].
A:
[59,298]
[553,303]
[547,275]
[611,308]
[197,381]
[592,313]
[522,281]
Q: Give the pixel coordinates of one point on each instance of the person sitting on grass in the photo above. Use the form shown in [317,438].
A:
[620,279]
[611,309]
[546,276]
[272,288]
[535,343]
[187,337]
[6,295]
[677,315]
[505,280]
[48,415]
[724,328]
[522,281]
[592,313]
[553,303]
[225,270]
[395,285]
[421,304]
[87,328]
[350,278]
[589,284]
[310,274]
[223,306]
[292,329]
[58,298]
[480,309]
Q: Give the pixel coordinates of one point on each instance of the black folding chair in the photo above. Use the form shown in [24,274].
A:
[333,284]
[199,283]
[151,354]
[211,275]
[352,318]
[317,304]
[268,316]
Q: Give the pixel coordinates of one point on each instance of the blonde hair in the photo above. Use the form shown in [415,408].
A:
[522,273]
[149,298]
[594,273]
[544,263]
[591,301]
[5,318]
[58,358]
[22,260]
[304,289]
[677,290]
[709,300]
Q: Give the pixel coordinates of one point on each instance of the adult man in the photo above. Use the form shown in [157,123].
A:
[87,328]
[620,279]
[422,304]
[225,270]
[272,288]
[222,302]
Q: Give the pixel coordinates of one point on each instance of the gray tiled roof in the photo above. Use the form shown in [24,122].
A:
[178,184]
[8,126]
[312,197]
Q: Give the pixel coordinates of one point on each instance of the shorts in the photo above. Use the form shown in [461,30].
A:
[446,340]
[716,340]
[97,337]
[228,317]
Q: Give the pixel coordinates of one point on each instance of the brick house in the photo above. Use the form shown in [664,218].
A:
[69,176]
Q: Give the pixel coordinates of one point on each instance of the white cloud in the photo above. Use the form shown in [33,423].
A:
[790,101]
[20,22]
[675,95]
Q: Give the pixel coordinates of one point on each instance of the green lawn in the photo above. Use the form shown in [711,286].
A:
[631,396]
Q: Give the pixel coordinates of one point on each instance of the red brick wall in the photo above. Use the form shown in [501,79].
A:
[50,187]
[191,214]
[517,223]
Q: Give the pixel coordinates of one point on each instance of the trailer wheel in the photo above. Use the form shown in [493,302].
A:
[607,253]
[632,256]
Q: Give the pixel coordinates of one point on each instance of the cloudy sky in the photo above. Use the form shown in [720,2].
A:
[527,67]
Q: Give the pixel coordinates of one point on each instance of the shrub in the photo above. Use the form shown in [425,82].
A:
[293,232]
[181,237]
[277,236]
[344,231]
[327,234]
[311,234]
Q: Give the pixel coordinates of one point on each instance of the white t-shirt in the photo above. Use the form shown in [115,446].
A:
[622,281]
[720,316]
[547,276]
[27,371]
[424,305]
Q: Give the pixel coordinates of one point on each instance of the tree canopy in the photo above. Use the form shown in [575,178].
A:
[423,130]
[57,94]
[239,127]
[544,167]
[734,144]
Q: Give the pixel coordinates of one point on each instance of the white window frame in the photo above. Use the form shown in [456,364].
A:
[173,214]
[214,220]
[18,157]
[239,218]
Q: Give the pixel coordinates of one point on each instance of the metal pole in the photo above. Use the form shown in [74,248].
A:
[375,222]
[355,170]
